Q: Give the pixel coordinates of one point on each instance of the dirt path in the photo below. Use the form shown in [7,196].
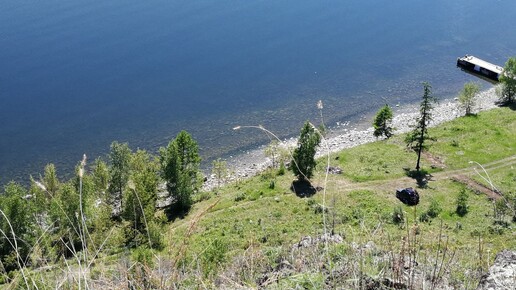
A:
[460,175]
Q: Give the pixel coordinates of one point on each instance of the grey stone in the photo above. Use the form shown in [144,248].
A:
[502,274]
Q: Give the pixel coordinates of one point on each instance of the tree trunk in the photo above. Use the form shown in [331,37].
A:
[419,156]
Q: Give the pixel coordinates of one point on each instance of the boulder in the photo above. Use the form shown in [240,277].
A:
[502,274]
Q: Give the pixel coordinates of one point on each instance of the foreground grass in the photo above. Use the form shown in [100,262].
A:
[247,234]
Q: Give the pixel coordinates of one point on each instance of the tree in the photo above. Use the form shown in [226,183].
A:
[180,163]
[65,211]
[100,175]
[462,203]
[189,159]
[467,96]
[419,135]
[382,122]
[140,202]
[119,157]
[272,151]
[508,82]
[50,180]
[304,163]
[220,170]
[16,227]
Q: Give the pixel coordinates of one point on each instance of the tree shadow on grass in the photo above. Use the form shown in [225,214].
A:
[471,115]
[175,211]
[510,105]
[419,176]
[303,188]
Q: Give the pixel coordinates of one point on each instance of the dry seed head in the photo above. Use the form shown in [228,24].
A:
[40,185]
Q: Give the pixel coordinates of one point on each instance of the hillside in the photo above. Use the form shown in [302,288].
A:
[353,233]
[249,233]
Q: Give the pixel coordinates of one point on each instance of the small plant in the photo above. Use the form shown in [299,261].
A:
[220,171]
[398,216]
[462,203]
[424,217]
[240,196]
[214,255]
[282,169]
[434,209]
[467,96]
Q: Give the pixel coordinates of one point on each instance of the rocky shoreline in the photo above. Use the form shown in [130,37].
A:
[346,136]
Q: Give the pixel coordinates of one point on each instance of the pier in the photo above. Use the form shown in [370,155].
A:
[479,67]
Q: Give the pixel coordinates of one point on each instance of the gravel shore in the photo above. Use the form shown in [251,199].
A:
[346,136]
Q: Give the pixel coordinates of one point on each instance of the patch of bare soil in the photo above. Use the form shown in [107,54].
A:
[475,186]
[435,161]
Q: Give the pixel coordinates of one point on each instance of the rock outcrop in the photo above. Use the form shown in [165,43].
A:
[502,274]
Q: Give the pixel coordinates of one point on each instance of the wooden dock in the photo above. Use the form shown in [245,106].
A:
[479,67]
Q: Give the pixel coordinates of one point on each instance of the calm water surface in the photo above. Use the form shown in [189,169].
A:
[76,75]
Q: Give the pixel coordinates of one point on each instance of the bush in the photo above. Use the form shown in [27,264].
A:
[281,170]
[304,155]
[214,255]
[462,203]
[203,195]
[434,209]
[424,217]
[240,196]
[398,217]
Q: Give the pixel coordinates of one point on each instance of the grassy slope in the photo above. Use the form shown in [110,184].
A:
[251,215]
[247,229]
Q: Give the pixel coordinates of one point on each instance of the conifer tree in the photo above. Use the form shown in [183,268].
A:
[382,122]
[119,157]
[16,227]
[304,163]
[180,163]
[419,135]
[140,203]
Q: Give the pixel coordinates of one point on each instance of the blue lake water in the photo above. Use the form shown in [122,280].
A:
[76,75]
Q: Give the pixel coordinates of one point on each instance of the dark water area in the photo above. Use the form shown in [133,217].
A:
[76,75]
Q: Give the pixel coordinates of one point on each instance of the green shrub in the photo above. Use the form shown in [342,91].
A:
[424,217]
[143,256]
[398,217]
[214,255]
[204,195]
[434,209]
[282,169]
[240,196]
[462,203]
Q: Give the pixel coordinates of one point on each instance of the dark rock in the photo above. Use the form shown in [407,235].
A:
[502,274]
[334,170]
